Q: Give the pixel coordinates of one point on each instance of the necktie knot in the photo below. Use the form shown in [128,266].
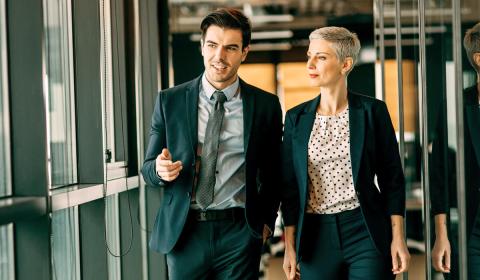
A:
[219,96]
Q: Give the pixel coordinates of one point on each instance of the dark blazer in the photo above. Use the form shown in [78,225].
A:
[174,126]
[440,164]
[373,151]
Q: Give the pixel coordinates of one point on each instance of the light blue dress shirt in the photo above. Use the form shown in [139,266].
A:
[230,175]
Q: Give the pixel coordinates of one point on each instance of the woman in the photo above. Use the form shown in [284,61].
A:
[339,223]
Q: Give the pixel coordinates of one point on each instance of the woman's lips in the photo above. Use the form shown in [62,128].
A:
[313,76]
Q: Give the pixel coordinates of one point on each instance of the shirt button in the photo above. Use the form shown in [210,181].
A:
[216,172]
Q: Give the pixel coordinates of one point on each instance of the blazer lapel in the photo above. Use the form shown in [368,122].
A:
[301,137]
[357,133]
[473,120]
[191,99]
[248,102]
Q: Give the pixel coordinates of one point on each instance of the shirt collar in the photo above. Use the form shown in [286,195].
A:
[229,91]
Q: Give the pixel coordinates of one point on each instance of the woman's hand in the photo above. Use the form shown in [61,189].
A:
[441,252]
[290,263]
[290,257]
[398,248]
[400,255]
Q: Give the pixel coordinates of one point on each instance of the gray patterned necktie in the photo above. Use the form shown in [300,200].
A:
[208,163]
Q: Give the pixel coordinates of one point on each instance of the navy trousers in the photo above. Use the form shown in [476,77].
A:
[218,249]
[338,246]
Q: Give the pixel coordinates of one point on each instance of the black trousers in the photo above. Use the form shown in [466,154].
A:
[216,249]
[473,251]
[338,246]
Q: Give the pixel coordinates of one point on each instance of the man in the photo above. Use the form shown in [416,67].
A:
[441,254]
[214,149]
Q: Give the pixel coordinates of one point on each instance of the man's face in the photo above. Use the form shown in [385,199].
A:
[222,55]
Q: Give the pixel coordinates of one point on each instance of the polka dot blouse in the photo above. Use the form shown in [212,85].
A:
[329,166]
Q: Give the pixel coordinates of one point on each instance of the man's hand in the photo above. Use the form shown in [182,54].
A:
[266,233]
[166,169]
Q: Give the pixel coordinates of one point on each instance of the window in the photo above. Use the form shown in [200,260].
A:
[65,244]
[112,221]
[6,252]
[59,87]
[5,184]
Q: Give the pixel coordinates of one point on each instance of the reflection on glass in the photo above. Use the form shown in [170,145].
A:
[59,89]
[6,252]
[471,100]
[113,237]
[4,150]
[445,146]
[65,245]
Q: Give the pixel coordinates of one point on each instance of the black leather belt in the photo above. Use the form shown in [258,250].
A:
[215,215]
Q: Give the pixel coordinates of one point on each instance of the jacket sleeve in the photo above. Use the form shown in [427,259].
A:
[388,166]
[290,201]
[156,143]
[269,174]
[438,171]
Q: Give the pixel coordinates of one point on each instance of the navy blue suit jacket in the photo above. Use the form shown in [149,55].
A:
[174,126]
[373,151]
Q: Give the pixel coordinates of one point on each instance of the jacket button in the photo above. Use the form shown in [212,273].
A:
[189,194]
[358,193]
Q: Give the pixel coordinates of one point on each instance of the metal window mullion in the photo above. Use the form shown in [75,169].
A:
[4,95]
[77,243]
[140,135]
[381,37]
[460,160]
[424,142]
[401,118]
[71,90]
[399,58]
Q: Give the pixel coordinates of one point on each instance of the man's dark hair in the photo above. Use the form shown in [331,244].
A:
[228,18]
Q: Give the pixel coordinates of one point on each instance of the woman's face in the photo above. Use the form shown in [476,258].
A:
[323,67]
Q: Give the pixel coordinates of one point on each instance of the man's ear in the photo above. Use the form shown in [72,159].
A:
[201,46]
[245,52]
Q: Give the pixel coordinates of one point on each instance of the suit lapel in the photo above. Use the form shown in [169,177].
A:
[473,120]
[301,138]
[248,102]
[191,99]
[357,133]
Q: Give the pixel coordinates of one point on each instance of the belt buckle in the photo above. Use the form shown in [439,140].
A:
[202,215]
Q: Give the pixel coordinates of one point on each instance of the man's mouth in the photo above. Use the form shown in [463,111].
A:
[219,66]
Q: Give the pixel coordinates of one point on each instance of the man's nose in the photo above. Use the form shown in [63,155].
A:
[220,53]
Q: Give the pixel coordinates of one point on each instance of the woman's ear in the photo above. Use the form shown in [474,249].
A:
[476,59]
[347,65]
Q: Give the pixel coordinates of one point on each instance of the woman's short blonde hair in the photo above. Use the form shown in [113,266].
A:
[344,42]
[471,43]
